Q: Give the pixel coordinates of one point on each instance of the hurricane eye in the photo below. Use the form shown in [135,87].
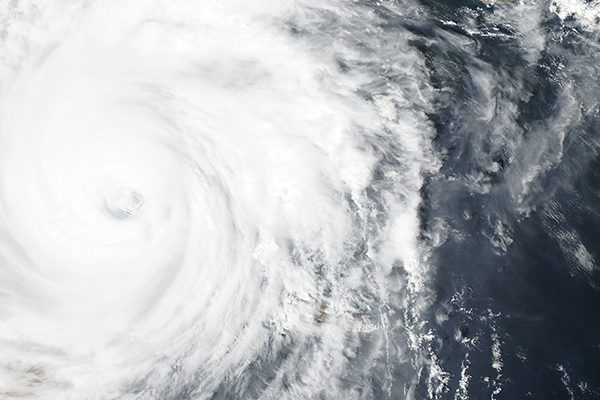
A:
[123,204]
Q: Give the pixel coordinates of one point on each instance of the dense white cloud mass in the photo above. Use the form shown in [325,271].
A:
[201,198]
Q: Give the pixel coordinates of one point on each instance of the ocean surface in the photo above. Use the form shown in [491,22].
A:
[299,199]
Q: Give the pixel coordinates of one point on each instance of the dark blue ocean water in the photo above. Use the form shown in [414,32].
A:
[518,282]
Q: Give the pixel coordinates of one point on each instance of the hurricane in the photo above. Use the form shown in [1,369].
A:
[299,199]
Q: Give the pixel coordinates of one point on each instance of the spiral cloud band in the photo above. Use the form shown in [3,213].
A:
[209,200]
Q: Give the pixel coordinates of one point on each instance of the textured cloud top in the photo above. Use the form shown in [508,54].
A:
[196,199]
[299,199]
